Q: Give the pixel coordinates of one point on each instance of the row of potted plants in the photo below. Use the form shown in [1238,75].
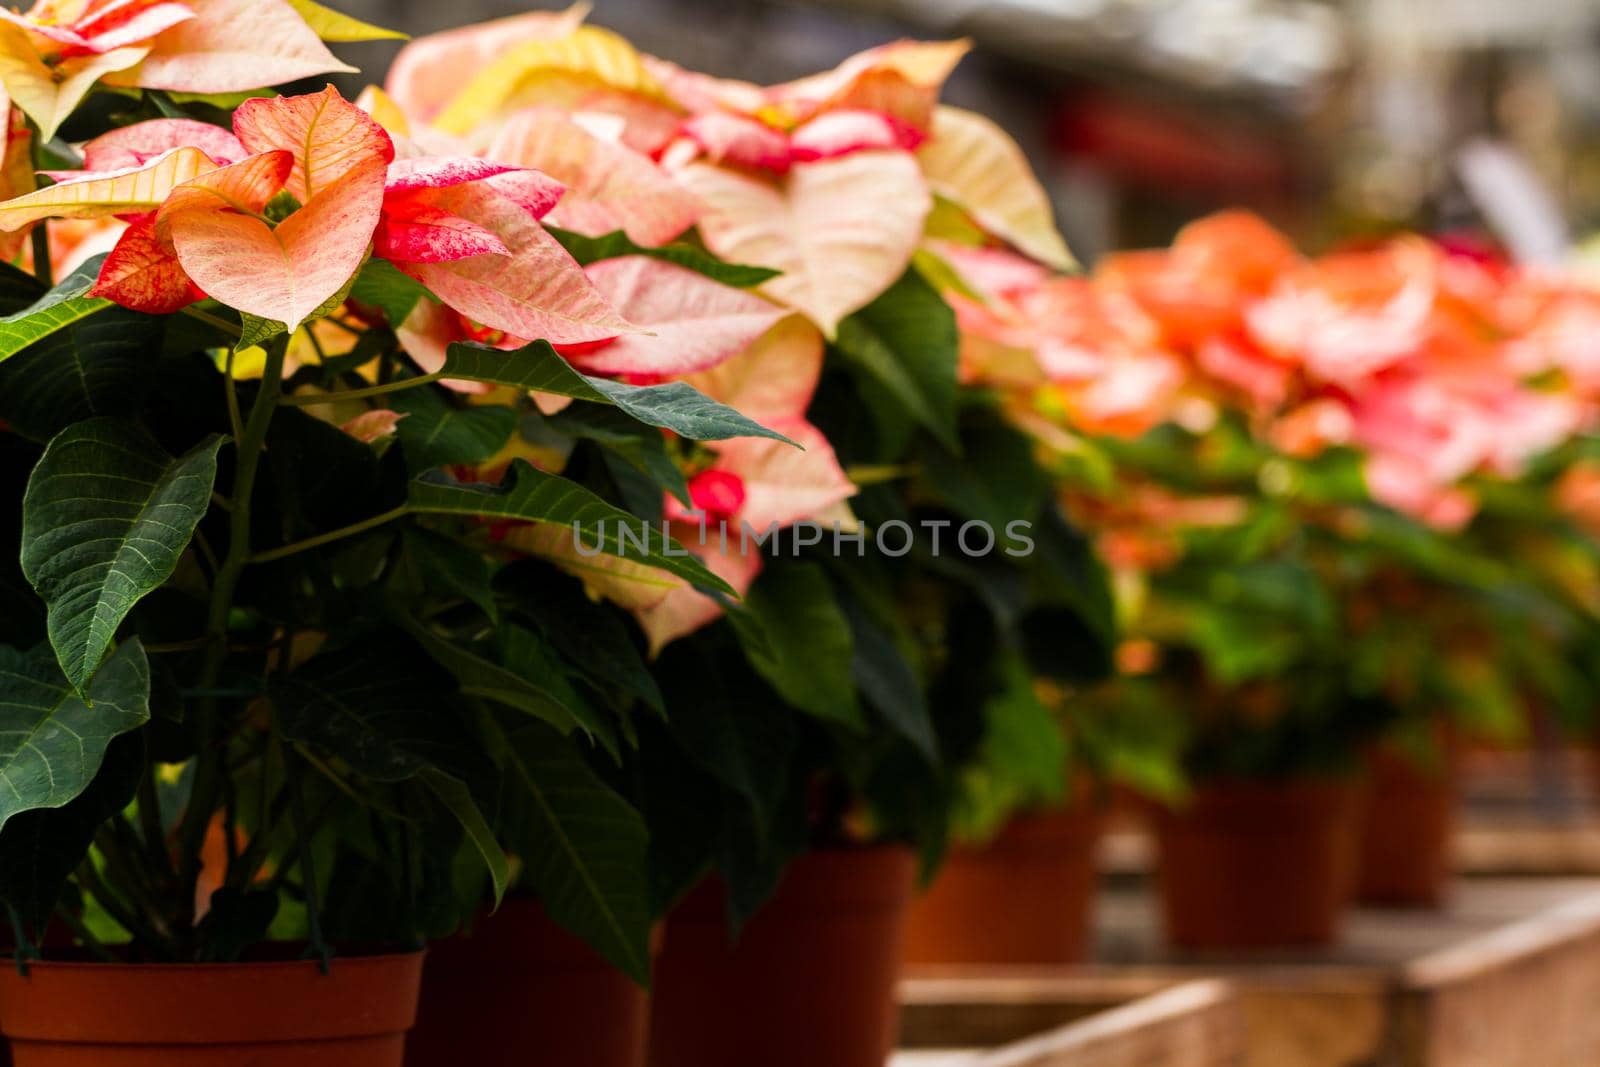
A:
[1344,502]
[532,510]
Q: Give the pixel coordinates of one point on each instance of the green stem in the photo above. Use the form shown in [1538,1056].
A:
[331,536]
[24,948]
[208,767]
[305,400]
[308,867]
[214,321]
[42,268]
[90,879]
[155,839]
[80,930]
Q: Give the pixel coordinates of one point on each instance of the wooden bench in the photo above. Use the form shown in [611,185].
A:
[1507,976]
[1068,1021]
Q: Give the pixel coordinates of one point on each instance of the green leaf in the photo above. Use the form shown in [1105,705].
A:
[106,517]
[40,849]
[530,495]
[750,754]
[994,478]
[625,439]
[382,285]
[55,310]
[52,740]
[256,331]
[587,250]
[676,406]
[906,340]
[436,433]
[449,568]
[103,365]
[808,652]
[590,634]
[382,705]
[584,848]
[887,681]
[478,677]
[455,796]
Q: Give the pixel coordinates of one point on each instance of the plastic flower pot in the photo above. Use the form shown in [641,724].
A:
[1408,829]
[279,1014]
[810,980]
[1025,897]
[1258,864]
[519,990]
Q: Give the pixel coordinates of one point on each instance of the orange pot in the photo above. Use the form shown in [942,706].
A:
[810,981]
[1407,830]
[1256,864]
[1025,897]
[284,1014]
[521,990]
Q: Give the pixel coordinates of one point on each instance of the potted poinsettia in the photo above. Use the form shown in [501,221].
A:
[277,706]
[803,717]
[1281,454]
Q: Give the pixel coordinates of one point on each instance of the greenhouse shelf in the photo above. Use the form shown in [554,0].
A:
[1054,1021]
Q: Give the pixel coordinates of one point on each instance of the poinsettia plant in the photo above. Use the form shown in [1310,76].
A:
[288,385]
[1303,474]
[851,689]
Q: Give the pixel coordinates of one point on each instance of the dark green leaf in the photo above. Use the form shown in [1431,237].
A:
[103,365]
[808,655]
[640,447]
[436,433]
[584,848]
[906,340]
[457,798]
[995,479]
[55,310]
[382,285]
[587,250]
[40,849]
[479,677]
[449,568]
[713,711]
[106,518]
[530,495]
[591,635]
[888,682]
[676,406]
[52,741]
[380,704]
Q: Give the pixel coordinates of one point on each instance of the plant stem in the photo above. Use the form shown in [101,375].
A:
[24,949]
[308,866]
[42,268]
[213,321]
[303,400]
[85,936]
[331,536]
[40,236]
[155,840]
[90,879]
[208,768]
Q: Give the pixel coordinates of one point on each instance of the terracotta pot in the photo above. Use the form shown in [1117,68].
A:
[1025,897]
[520,990]
[1407,830]
[1257,864]
[211,1015]
[810,981]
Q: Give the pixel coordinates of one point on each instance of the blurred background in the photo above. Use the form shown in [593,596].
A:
[1335,118]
